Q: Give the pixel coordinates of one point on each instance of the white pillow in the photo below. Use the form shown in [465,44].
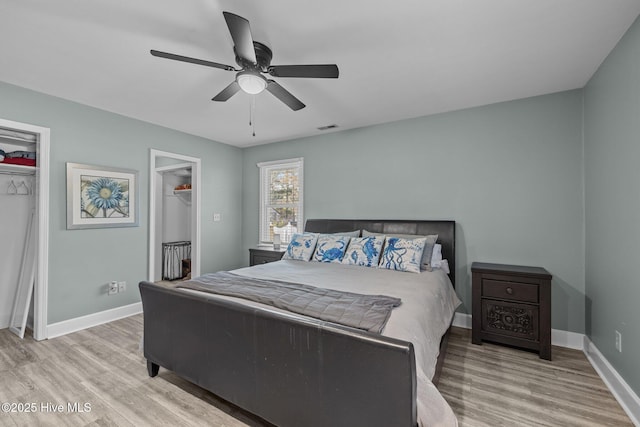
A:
[436,256]
[444,266]
[301,246]
[330,248]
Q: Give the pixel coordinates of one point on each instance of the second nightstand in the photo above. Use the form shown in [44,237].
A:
[264,255]
[512,305]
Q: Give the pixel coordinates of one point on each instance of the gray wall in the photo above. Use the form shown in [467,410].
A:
[612,206]
[83,261]
[510,174]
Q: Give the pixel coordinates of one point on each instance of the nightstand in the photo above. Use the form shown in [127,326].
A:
[264,255]
[512,306]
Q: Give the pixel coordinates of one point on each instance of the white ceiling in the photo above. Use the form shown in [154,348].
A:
[397,59]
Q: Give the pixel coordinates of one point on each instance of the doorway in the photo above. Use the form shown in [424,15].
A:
[174,214]
[15,138]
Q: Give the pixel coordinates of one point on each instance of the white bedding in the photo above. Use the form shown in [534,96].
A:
[428,304]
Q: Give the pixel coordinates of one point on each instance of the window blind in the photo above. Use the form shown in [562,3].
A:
[281,199]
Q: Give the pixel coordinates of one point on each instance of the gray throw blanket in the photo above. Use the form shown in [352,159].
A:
[368,312]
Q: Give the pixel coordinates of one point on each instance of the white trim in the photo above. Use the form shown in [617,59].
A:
[196,217]
[95,319]
[41,297]
[625,396]
[462,320]
[173,167]
[152,216]
[567,339]
[559,337]
[41,289]
[280,162]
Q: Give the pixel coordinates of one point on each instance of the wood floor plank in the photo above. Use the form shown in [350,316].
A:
[493,385]
[486,386]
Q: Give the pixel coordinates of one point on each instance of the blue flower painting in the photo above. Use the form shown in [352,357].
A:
[103,197]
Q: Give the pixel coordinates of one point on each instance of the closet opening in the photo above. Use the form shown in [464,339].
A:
[174,217]
[24,213]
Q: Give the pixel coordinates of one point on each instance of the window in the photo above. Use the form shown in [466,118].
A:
[280,199]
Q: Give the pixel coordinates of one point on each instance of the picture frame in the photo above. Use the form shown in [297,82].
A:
[101,197]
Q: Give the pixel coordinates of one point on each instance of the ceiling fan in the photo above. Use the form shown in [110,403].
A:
[254,59]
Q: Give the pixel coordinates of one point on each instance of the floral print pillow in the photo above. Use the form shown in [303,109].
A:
[330,248]
[301,246]
[403,254]
[364,251]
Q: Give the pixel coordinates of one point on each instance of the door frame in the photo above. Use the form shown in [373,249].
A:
[196,193]
[41,290]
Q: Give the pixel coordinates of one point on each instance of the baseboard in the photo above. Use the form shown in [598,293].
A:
[559,337]
[567,339]
[90,320]
[625,396]
[462,320]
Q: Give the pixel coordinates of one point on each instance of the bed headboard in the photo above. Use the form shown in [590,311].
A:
[446,231]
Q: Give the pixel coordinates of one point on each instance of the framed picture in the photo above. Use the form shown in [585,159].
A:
[101,197]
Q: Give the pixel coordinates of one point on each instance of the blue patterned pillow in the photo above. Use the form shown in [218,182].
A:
[330,248]
[428,246]
[403,254]
[301,246]
[364,251]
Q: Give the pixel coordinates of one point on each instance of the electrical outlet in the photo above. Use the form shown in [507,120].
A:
[113,288]
[122,286]
[217,217]
[619,341]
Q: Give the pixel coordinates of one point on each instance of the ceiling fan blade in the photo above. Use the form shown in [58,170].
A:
[284,95]
[324,71]
[191,60]
[227,92]
[241,35]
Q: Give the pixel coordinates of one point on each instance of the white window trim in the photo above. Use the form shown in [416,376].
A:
[265,167]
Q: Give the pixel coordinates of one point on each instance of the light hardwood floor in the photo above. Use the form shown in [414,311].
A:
[492,385]
[486,385]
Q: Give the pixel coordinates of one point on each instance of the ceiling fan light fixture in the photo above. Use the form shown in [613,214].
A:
[251,83]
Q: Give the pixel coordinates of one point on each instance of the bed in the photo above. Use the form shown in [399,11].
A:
[294,370]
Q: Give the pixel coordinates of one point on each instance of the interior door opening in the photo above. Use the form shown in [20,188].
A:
[174,216]
[24,213]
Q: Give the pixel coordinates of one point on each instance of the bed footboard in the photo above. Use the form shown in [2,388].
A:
[287,369]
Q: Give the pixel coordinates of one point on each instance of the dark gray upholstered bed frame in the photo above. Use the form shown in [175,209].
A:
[290,370]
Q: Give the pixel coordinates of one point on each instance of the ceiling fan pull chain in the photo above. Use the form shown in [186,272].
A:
[253,114]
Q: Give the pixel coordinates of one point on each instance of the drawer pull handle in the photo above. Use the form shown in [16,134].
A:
[510,291]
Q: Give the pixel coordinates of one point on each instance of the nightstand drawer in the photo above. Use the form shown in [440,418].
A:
[264,256]
[500,289]
[505,318]
[261,259]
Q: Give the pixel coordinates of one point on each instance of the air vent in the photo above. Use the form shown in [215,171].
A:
[327,127]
